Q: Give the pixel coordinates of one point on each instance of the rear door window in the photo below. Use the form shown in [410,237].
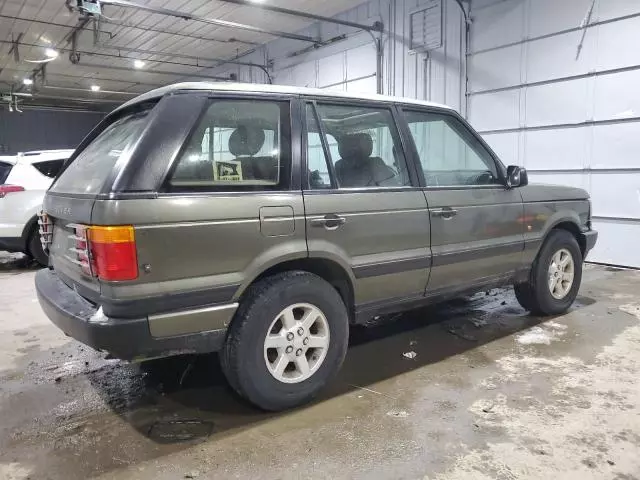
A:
[238,145]
[91,168]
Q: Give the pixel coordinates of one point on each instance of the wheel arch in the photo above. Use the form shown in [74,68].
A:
[573,228]
[329,270]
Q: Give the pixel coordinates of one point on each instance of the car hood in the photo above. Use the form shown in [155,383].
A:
[540,193]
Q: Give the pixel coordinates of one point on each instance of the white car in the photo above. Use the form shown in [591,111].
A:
[24,179]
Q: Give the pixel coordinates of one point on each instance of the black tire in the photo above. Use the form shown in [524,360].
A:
[243,359]
[525,297]
[535,295]
[35,248]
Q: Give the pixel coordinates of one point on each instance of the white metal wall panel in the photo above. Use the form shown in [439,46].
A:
[495,68]
[550,16]
[616,146]
[617,96]
[495,110]
[331,70]
[557,103]
[497,24]
[576,117]
[555,57]
[608,9]
[618,43]
[615,194]
[550,149]
[506,146]
[617,238]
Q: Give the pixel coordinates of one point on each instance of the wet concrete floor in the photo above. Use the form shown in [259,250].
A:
[473,389]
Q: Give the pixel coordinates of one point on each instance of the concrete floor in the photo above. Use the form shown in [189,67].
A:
[491,393]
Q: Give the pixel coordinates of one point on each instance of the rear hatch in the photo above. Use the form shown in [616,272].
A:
[69,203]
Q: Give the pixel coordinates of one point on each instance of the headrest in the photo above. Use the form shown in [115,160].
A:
[356,145]
[246,141]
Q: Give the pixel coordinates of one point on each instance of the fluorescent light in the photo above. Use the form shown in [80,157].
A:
[138,63]
[27,81]
[51,53]
[95,88]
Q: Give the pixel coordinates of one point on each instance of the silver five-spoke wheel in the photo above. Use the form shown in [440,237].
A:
[561,273]
[297,342]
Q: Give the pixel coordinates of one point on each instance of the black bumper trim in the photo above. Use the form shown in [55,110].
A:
[590,239]
[128,339]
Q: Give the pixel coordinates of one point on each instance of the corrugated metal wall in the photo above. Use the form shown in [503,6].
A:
[350,64]
[570,114]
[44,129]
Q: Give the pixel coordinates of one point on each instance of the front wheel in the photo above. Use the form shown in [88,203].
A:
[555,276]
[287,340]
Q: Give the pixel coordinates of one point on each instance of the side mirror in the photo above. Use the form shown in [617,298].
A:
[517,176]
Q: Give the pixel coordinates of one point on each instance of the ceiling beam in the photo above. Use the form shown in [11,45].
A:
[210,21]
[376,27]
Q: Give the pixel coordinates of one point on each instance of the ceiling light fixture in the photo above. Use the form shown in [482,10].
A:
[51,53]
[138,63]
[95,88]
[27,81]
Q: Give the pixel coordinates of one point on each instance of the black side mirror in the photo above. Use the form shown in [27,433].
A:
[517,176]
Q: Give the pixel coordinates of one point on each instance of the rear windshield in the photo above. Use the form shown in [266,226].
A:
[5,168]
[88,172]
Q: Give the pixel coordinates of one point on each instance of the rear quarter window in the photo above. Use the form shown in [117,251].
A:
[49,168]
[90,169]
[5,168]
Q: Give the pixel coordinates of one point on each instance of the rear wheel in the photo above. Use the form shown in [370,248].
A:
[35,248]
[287,340]
[555,276]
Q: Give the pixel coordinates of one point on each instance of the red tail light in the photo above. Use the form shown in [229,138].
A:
[113,252]
[4,189]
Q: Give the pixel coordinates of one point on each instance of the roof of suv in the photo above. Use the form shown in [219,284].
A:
[263,88]
[36,156]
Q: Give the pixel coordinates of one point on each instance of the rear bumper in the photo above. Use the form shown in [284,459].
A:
[590,239]
[128,339]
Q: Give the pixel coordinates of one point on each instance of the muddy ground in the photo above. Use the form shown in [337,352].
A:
[474,389]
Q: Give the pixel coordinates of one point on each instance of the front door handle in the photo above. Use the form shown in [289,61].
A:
[446,212]
[330,222]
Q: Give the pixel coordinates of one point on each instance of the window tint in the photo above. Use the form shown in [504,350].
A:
[50,168]
[449,153]
[90,169]
[363,144]
[238,144]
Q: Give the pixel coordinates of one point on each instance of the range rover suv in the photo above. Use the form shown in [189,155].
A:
[261,221]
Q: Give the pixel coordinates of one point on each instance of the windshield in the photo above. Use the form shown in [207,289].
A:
[88,172]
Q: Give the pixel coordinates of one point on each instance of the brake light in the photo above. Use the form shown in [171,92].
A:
[113,252]
[4,189]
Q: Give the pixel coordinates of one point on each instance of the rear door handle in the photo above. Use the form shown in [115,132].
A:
[446,212]
[330,222]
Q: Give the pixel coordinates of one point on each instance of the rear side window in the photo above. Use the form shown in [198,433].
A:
[237,145]
[50,168]
[5,168]
[91,168]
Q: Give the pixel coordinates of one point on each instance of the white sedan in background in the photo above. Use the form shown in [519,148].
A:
[24,178]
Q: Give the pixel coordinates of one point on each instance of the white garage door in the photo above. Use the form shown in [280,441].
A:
[555,86]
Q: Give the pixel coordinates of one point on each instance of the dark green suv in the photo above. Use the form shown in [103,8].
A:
[262,221]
